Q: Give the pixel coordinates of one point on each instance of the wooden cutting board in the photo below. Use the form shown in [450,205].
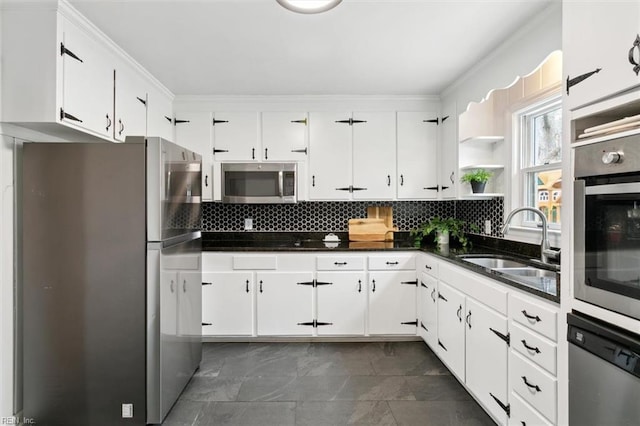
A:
[382,212]
[368,230]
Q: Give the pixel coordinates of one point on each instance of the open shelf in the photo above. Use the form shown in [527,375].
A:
[483,166]
[483,139]
[484,195]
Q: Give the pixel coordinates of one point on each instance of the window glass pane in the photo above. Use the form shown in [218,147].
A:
[544,191]
[547,137]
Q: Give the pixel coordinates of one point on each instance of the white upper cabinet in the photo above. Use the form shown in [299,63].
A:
[284,136]
[130,104]
[194,131]
[87,82]
[599,46]
[417,155]
[329,155]
[374,149]
[159,114]
[235,136]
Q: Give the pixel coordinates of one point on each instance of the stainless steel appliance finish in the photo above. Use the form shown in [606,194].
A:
[111,278]
[259,183]
[607,225]
[604,373]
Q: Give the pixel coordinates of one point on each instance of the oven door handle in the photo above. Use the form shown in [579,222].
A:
[579,211]
[616,188]
[280,183]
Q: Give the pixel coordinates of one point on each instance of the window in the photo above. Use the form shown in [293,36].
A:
[541,160]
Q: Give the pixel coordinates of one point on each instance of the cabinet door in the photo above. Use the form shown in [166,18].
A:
[374,155]
[190,316]
[159,114]
[195,134]
[486,357]
[392,302]
[87,89]
[284,304]
[448,175]
[329,156]
[227,303]
[417,155]
[284,136]
[341,303]
[599,35]
[235,136]
[130,105]
[451,310]
[428,313]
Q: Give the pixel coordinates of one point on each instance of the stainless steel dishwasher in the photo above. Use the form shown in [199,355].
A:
[604,373]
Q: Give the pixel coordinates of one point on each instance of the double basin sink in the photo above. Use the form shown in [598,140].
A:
[520,271]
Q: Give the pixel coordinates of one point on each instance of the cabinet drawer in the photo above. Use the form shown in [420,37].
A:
[533,347]
[534,316]
[339,263]
[523,414]
[254,262]
[533,385]
[428,265]
[384,263]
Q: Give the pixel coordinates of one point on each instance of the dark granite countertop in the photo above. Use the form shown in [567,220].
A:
[313,242]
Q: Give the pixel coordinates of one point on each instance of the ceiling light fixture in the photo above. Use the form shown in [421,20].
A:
[309,6]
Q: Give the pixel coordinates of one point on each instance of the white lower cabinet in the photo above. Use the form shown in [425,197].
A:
[486,352]
[538,388]
[341,303]
[227,300]
[392,302]
[428,310]
[523,414]
[451,309]
[285,303]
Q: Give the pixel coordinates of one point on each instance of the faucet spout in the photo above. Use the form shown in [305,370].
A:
[545,248]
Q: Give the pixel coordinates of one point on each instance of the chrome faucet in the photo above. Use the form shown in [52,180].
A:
[545,249]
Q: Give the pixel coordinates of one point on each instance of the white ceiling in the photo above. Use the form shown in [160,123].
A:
[256,47]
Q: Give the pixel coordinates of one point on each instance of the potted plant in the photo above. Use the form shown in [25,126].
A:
[478,179]
[442,230]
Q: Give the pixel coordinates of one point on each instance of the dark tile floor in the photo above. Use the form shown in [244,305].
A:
[392,383]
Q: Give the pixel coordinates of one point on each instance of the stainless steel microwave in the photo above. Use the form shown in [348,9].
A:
[259,183]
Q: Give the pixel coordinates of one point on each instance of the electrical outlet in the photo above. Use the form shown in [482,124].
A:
[487,227]
[248,224]
[127,411]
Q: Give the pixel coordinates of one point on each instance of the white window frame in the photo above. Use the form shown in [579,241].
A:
[522,156]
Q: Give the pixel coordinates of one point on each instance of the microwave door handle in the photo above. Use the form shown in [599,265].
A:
[280,183]
[579,198]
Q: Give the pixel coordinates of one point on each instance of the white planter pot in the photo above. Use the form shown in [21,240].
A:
[443,237]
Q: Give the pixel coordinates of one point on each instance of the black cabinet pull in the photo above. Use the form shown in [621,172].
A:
[266,153]
[532,386]
[532,349]
[206,180]
[302,151]
[531,317]
[121,127]
[401,180]
[433,295]
[313,180]
[219,121]
[247,288]
[260,286]
[359,286]
[505,407]
[68,116]
[374,285]
[579,79]
[392,263]
[65,51]
[468,319]
[253,153]
[340,263]
[451,177]
[109,123]
[388,180]
[459,313]
[427,267]
[632,60]
[442,297]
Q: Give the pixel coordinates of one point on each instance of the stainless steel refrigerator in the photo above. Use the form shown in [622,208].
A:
[112,280]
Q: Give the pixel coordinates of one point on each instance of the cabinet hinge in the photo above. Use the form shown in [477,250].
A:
[144,101]
[441,345]
[422,325]
[423,285]
[65,51]
[207,283]
[579,79]
[68,116]
[351,189]
[315,323]
[206,323]
[433,120]
[506,338]
[351,121]
[505,407]
[415,323]
[214,122]
[176,121]
[414,282]
[443,119]
[314,283]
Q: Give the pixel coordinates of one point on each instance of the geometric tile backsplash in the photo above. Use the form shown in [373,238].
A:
[333,216]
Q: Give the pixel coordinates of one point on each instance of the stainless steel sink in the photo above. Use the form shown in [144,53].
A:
[527,272]
[493,262]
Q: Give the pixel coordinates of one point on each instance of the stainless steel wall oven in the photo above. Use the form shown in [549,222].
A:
[607,224]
